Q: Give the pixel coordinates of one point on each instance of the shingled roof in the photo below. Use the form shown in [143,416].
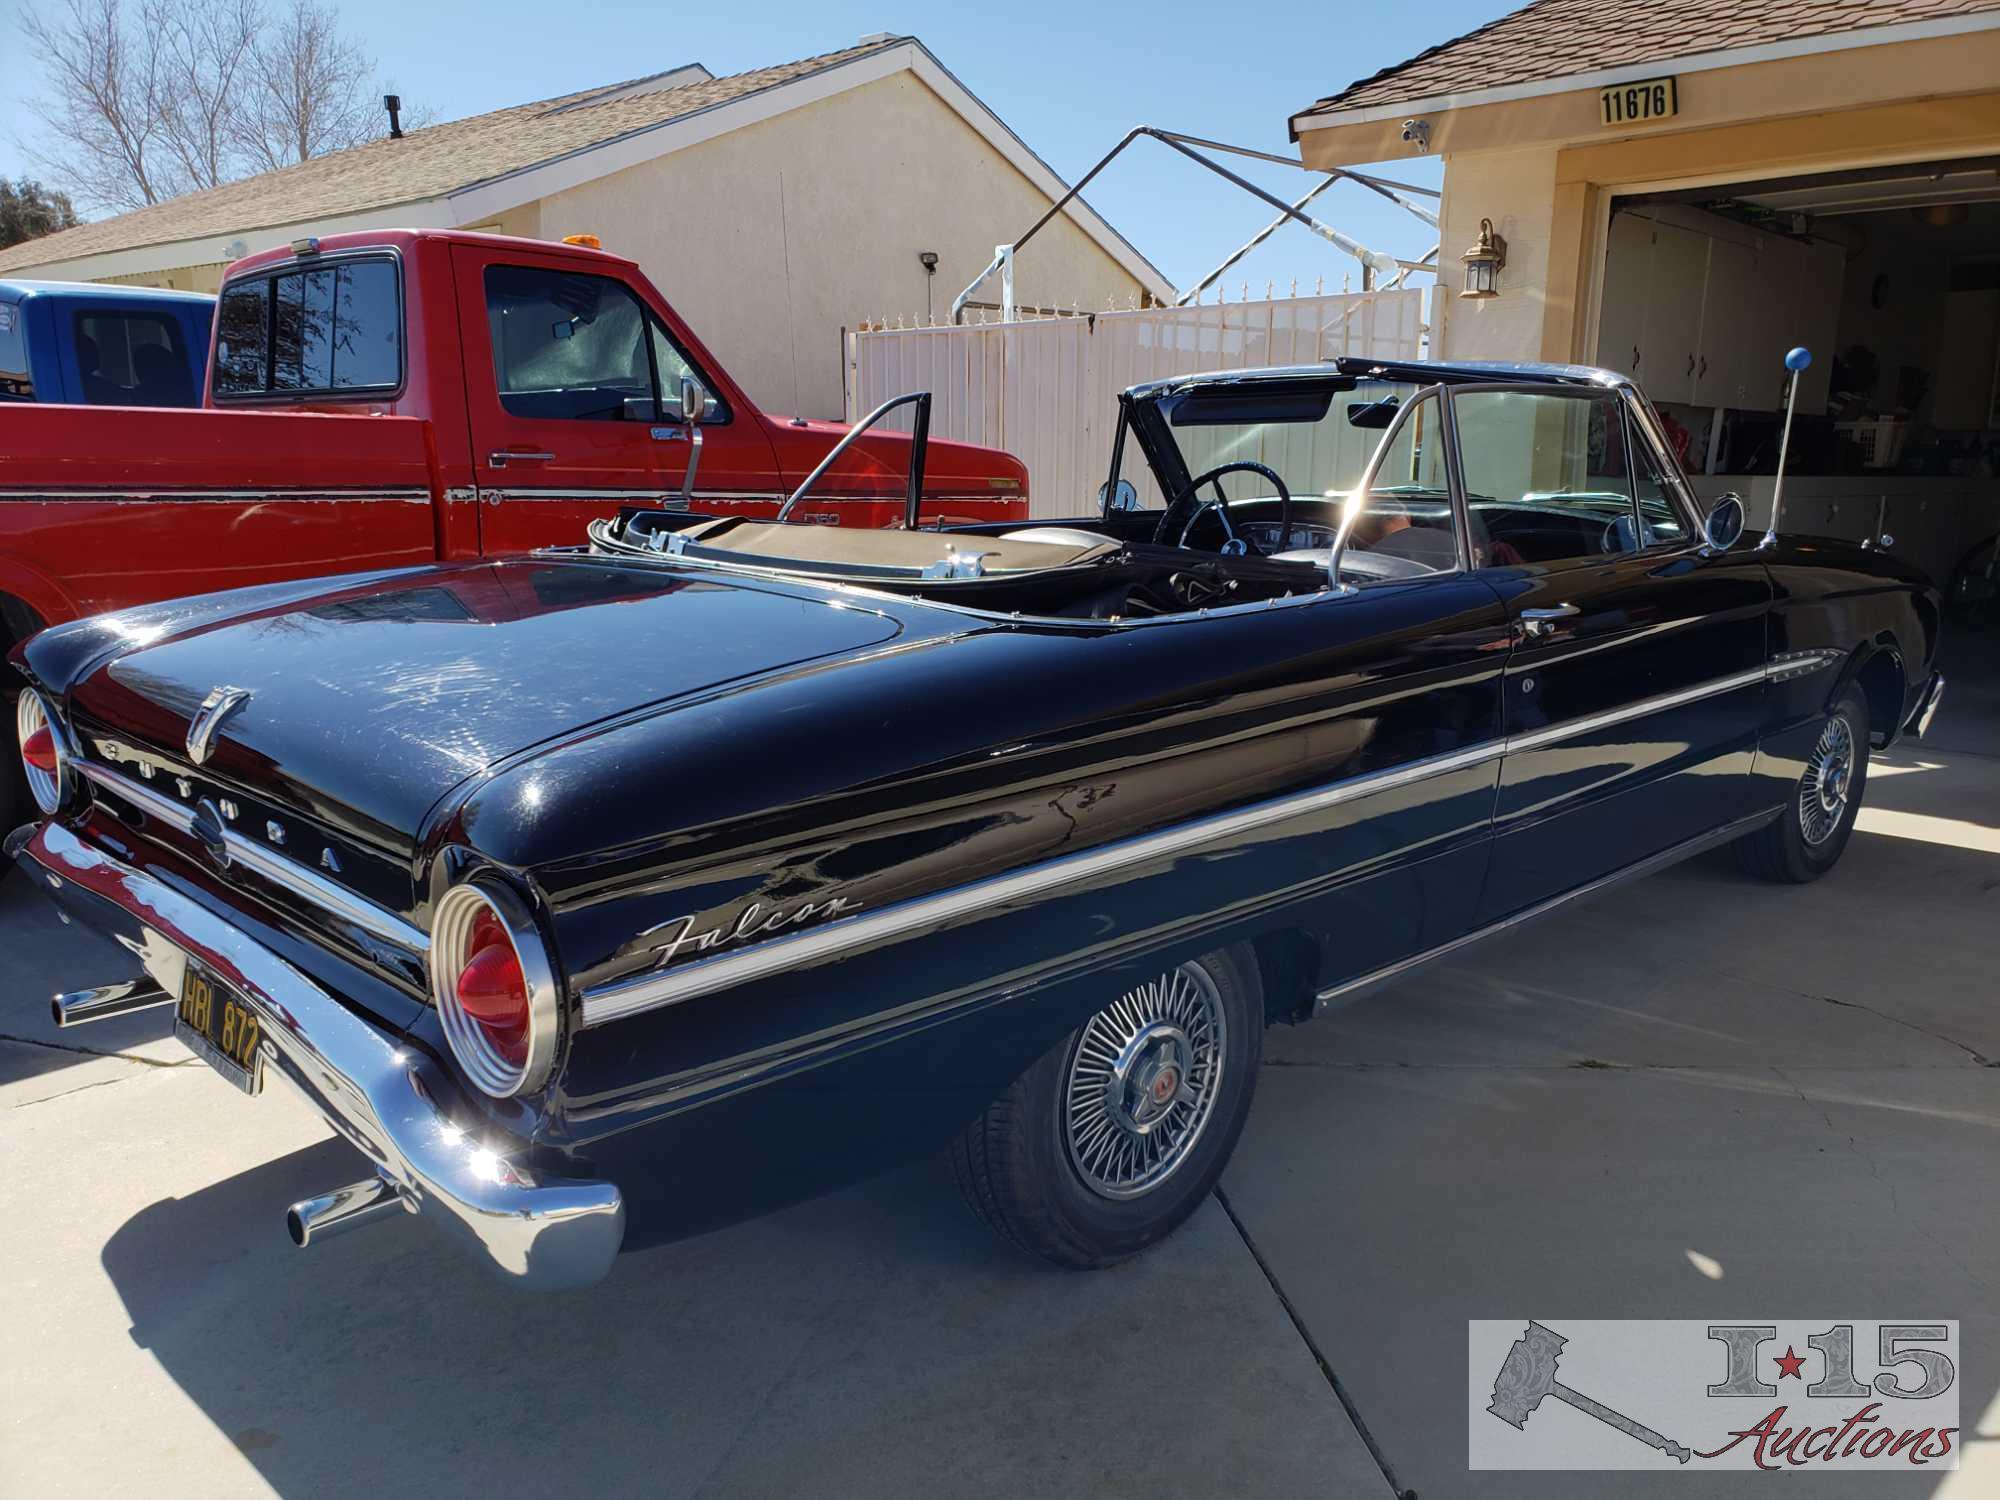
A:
[1552,39]
[427,163]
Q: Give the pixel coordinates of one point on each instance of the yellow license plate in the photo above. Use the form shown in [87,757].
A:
[220,1028]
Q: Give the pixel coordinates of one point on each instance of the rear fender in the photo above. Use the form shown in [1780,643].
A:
[1877,668]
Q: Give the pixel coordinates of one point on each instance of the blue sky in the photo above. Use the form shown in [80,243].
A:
[1070,79]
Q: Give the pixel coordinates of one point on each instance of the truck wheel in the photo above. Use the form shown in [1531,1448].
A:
[1807,840]
[1120,1130]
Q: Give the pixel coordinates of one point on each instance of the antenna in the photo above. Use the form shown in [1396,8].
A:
[1796,361]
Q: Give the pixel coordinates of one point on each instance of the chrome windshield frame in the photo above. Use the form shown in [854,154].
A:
[919,445]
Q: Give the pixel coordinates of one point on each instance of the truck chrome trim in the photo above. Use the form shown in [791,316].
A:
[618,999]
[310,886]
[410,496]
[395,1105]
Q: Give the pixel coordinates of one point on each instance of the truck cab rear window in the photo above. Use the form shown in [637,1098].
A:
[310,330]
[133,359]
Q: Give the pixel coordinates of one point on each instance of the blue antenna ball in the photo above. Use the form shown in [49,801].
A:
[1799,358]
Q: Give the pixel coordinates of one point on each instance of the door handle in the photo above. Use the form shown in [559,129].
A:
[501,457]
[1542,622]
[1690,369]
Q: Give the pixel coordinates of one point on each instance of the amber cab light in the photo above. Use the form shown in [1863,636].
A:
[39,751]
[493,990]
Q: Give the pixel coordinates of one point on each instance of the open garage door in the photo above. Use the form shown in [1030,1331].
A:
[1891,276]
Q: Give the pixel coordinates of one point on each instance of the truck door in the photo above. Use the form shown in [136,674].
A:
[572,395]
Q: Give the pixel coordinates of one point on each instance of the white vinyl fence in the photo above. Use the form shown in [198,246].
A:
[1047,390]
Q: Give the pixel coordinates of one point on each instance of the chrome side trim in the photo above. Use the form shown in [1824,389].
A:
[617,999]
[398,1107]
[1789,664]
[620,998]
[306,884]
[1651,865]
[496,494]
[408,496]
[1570,728]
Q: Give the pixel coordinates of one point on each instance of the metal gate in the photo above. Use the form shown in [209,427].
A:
[1047,390]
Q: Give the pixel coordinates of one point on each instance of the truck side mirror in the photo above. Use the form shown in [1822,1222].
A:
[1125,497]
[694,400]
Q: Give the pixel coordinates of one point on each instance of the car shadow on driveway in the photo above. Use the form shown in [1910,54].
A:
[871,1342]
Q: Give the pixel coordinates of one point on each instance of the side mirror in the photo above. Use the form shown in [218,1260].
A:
[1125,497]
[694,400]
[1724,524]
[694,405]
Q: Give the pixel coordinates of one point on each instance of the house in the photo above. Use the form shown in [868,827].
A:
[773,207]
[1681,193]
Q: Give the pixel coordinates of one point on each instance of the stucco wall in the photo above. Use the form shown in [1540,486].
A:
[1517,191]
[773,238]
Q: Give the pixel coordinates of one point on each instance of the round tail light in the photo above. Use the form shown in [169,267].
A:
[42,753]
[494,987]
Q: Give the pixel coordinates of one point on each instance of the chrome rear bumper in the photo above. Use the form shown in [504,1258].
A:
[396,1107]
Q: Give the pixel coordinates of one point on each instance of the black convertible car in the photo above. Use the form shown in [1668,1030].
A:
[607,894]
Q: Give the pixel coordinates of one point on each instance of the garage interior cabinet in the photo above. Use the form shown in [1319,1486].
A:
[1700,311]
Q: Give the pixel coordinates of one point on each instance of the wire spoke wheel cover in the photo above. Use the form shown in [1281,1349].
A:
[1142,1082]
[1828,782]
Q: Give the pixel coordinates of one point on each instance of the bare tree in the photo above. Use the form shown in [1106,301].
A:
[313,93]
[146,99]
[206,56]
[102,103]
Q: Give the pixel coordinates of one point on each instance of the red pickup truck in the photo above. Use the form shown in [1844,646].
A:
[395,397]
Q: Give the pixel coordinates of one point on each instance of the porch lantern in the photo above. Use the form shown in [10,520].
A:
[1483,262]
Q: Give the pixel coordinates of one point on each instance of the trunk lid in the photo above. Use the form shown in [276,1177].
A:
[367,705]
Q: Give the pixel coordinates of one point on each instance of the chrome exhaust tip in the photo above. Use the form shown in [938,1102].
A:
[76,1007]
[313,1219]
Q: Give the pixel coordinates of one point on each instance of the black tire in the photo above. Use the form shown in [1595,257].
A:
[1796,848]
[1016,1164]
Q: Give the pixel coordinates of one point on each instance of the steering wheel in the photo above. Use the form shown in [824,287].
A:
[1171,515]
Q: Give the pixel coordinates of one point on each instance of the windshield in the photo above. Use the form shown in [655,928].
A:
[1317,435]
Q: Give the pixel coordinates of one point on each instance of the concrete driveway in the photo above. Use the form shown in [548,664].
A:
[1697,1097]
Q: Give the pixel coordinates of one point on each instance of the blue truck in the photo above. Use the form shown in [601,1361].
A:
[93,345]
